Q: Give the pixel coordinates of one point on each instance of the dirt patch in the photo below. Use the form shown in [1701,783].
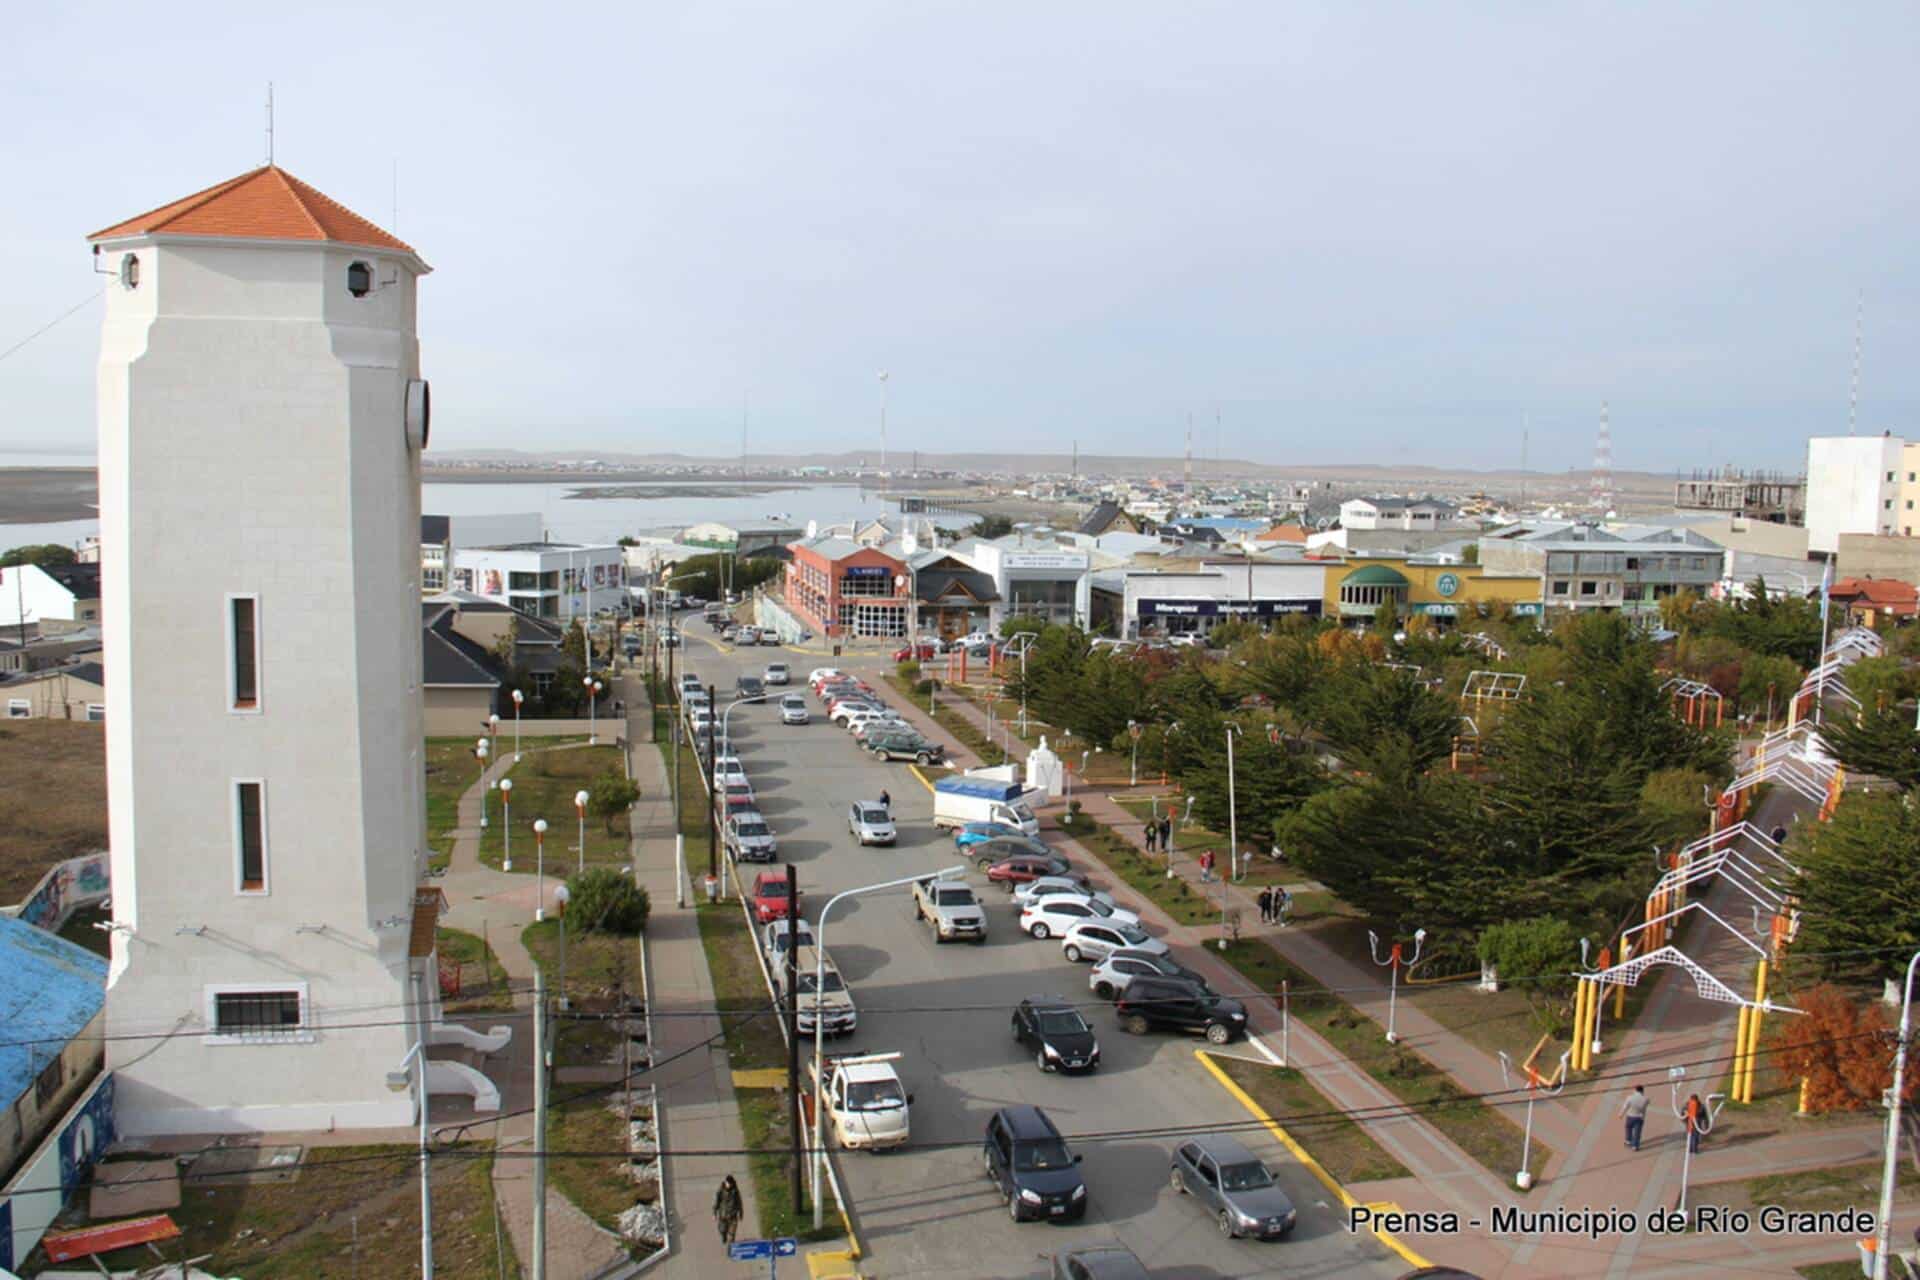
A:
[54,776]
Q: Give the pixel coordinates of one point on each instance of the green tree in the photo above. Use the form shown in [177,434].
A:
[1537,955]
[1882,743]
[39,553]
[1859,887]
[611,794]
[1880,681]
[606,900]
[1385,721]
[991,526]
[1767,681]
[1269,782]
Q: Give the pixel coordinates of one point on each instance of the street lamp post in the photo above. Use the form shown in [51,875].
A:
[1705,1120]
[506,824]
[412,1073]
[561,896]
[1393,962]
[540,868]
[518,698]
[593,688]
[819,1014]
[1133,769]
[580,810]
[480,753]
[1884,1227]
[1535,1086]
[493,734]
[1233,815]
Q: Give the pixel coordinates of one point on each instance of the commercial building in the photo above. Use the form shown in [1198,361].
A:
[261,420]
[1857,484]
[1193,597]
[1583,566]
[1442,590]
[953,597]
[558,580]
[713,536]
[840,588]
[1035,575]
[441,536]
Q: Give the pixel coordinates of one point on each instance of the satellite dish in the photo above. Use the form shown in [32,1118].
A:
[813,528]
[909,544]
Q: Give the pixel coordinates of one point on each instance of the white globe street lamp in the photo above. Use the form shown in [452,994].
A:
[480,753]
[580,809]
[506,824]
[518,698]
[540,868]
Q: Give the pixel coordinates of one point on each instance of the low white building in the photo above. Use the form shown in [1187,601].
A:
[1414,515]
[1035,575]
[1193,597]
[546,579]
[63,593]
[1853,486]
[441,536]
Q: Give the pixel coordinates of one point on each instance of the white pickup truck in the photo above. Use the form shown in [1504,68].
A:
[866,1102]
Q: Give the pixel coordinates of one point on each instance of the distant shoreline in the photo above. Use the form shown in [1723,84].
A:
[48,495]
[466,475]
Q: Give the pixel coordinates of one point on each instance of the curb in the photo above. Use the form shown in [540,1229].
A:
[1300,1153]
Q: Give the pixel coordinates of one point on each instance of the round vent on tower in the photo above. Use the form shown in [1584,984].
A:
[359,279]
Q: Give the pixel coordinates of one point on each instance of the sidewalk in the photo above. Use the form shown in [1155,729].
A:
[498,904]
[691,1069]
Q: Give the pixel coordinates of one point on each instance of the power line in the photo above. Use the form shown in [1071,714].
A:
[51,323]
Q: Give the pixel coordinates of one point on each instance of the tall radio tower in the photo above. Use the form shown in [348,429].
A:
[1602,499]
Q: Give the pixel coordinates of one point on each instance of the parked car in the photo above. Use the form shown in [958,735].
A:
[1050,917]
[770,892]
[1150,1003]
[920,652]
[1105,1262]
[630,645]
[819,674]
[1076,885]
[1232,1184]
[869,822]
[748,837]
[745,635]
[973,833]
[696,699]
[822,993]
[950,909]
[729,630]
[1008,872]
[670,638]
[903,744]
[1098,939]
[739,794]
[1112,975]
[776,939]
[699,721]
[690,684]
[881,722]
[776,673]
[1060,1038]
[769,636]
[750,687]
[1029,1162]
[840,709]
[793,709]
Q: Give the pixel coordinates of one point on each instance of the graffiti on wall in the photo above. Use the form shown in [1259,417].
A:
[75,883]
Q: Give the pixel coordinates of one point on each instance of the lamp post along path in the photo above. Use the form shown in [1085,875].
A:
[1884,1225]
[1393,962]
[480,753]
[540,867]
[580,810]
[518,698]
[506,824]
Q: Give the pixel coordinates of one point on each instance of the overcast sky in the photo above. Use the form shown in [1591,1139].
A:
[1353,232]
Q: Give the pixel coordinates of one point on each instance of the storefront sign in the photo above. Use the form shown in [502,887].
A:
[1228,608]
[867,571]
[1043,560]
[1527,610]
[1438,610]
[1447,584]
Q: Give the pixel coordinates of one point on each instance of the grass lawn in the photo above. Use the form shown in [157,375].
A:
[1848,1270]
[54,776]
[1341,1146]
[599,965]
[1147,877]
[483,983]
[452,768]
[353,1213]
[1482,1131]
[1191,838]
[544,784]
[1832,1188]
[597,1182]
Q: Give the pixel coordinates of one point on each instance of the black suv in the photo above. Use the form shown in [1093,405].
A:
[907,745]
[1162,1002]
[750,687]
[1029,1161]
[1060,1038]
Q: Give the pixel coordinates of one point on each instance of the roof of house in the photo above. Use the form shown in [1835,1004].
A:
[91,672]
[1102,518]
[1392,503]
[449,658]
[934,584]
[1282,533]
[50,989]
[436,529]
[1887,594]
[83,580]
[267,203]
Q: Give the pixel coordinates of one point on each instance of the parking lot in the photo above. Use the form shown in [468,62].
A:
[929,1210]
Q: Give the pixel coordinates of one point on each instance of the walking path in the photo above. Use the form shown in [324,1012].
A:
[1675,1027]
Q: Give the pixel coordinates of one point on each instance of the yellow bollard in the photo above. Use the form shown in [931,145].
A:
[1579,1021]
[1620,990]
[1806,1083]
[1739,1051]
[1586,1024]
[1754,1024]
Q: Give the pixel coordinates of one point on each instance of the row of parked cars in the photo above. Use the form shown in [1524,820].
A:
[852,704]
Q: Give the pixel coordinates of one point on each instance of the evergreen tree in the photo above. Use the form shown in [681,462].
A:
[1882,743]
[1859,887]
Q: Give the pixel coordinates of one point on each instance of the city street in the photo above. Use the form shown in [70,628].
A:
[946,1009]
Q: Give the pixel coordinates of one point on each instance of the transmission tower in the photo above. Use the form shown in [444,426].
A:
[1602,499]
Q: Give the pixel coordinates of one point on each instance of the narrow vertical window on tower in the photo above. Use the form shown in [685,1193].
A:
[250,834]
[243,641]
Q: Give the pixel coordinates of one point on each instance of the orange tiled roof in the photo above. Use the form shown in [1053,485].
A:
[267,203]
[1282,533]
[1889,594]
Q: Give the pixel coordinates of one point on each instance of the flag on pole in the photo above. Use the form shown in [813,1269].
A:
[1826,592]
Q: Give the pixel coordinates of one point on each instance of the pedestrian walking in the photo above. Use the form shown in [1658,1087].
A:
[886,801]
[1266,906]
[1635,1110]
[1153,829]
[1695,1113]
[727,1209]
[1206,866]
[1166,835]
[1282,903]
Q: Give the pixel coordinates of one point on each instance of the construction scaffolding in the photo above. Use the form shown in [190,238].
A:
[1773,496]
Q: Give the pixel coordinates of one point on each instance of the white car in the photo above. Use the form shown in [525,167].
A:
[1051,917]
[793,709]
[690,684]
[840,711]
[859,726]
[775,938]
[776,673]
[1097,939]
[1047,886]
[1112,976]
[818,674]
[856,719]
[700,720]
[728,769]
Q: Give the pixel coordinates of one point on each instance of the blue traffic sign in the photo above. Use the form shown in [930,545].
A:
[748,1250]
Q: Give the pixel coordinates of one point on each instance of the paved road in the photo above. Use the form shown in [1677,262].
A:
[930,1211]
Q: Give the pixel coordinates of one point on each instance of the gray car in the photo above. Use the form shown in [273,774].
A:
[1110,1262]
[1234,1185]
[870,823]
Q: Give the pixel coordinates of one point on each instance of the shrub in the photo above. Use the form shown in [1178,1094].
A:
[606,900]
[908,671]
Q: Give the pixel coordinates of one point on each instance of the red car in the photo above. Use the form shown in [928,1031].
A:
[770,895]
[1012,871]
[921,652]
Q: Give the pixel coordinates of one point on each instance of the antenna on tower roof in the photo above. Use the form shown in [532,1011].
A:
[269,122]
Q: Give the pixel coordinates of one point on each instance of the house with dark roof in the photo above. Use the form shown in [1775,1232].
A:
[951,596]
[52,998]
[56,598]
[1108,516]
[77,691]
[461,651]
